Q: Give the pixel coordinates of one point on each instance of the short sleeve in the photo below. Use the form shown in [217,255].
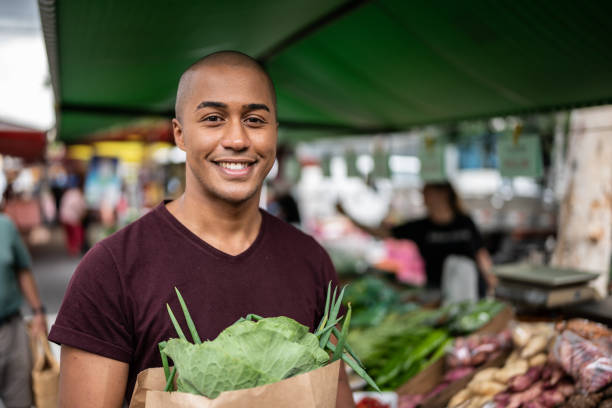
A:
[411,230]
[93,314]
[477,242]
[21,258]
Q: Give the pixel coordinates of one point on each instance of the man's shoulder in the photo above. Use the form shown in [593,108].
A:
[287,233]
[140,231]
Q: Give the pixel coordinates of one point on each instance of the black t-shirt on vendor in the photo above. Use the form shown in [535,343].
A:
[437,241]
[115,304]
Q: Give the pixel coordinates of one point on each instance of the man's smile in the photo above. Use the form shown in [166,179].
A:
[235,167]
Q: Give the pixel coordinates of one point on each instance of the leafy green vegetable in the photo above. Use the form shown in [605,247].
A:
[256,351]
[244,355]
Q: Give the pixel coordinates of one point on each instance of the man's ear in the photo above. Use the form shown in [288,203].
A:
[177,130]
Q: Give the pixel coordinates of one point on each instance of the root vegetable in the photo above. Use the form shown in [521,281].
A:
[478,402]
[460,398]
[521,335]
[488,374]
[566,388]
[536,345]
[520,383]
[502,398]
[458,373]
[538,359]
[556,373]
[551,398]
[488,388]
[522,397]
[518,367]
[534,404]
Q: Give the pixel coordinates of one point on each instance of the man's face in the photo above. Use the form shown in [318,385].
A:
[228,130]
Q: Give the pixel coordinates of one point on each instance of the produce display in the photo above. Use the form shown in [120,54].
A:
[476,349]
[462,359]
[403,345]
[548,368]
[406,355]
[256,351]
[372,299]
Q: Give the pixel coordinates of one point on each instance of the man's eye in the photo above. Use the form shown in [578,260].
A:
[212,118]
[255,121]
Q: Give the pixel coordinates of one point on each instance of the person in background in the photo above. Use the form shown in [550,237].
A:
[446,230]
[16,282]
[283,205]
[72,211]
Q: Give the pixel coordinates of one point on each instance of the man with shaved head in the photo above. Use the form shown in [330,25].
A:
[227,256]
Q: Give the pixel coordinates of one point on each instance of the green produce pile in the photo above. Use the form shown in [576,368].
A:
[256,351]
[372,300]
[403,345]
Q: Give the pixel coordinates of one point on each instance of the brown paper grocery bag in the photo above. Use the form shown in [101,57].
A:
[314,389]
[45,373]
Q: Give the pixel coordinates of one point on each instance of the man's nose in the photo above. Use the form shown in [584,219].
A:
[236,136]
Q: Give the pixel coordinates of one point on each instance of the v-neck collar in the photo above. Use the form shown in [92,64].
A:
[205,246]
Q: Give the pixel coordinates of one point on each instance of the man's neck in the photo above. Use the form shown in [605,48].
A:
[229,228]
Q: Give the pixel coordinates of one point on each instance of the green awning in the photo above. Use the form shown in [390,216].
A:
[339,67]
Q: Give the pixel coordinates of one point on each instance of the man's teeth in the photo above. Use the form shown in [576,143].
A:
[233,166]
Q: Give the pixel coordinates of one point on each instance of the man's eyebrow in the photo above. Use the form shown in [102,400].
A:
[256,106]
[211,104]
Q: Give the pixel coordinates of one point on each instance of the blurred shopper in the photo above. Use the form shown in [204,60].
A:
[226,255]
[16,282]
[72,211]
[284,206]
[446,231]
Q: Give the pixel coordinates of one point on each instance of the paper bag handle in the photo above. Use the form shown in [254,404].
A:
[39,358]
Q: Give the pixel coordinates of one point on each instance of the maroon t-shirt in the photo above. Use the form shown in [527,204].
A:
[115,304]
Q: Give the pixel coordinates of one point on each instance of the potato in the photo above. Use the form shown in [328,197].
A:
[510,370]
[488,388]
[488,374]
[459,398]
[478,402]
[515,355]
[538,359]
[536,345]
[521,334]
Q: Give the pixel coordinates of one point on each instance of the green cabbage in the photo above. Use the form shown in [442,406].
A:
[246,354]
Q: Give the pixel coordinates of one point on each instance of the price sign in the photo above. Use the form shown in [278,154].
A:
[433,166]
[520,156]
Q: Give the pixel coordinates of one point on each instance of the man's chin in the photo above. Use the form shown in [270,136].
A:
[238,198]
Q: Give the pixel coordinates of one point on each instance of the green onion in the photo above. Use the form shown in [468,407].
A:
[177,327]
[190,325]
[342,338]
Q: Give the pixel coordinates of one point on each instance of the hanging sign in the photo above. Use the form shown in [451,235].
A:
[520,156]
[433,166]
[351,164]
[381,164]
[326,165]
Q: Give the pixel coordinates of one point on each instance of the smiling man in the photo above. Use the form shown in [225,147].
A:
[226,256]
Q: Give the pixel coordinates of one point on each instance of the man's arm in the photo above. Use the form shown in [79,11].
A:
[30,292]
[90,380]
